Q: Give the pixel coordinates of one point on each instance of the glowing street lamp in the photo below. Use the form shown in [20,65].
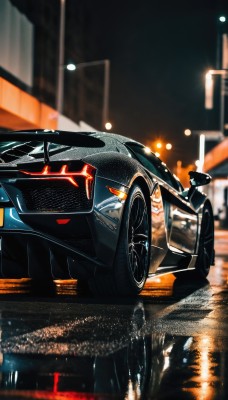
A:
[187,132]
[168,146]
[159,145]
[73,67]
[222,18]
[108,126]
[209,92]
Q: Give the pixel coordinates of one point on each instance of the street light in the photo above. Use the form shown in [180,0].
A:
[60,77]
[73,67]
[221,28]
[159,148]
[187,132]
[209,92]
[203,136]
[108,126]
[222,18]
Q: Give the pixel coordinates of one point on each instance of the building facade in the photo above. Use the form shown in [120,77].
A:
[83,89]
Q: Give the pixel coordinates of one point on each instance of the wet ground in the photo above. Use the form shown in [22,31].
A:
[169,343]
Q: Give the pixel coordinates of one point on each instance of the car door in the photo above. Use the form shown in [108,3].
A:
[180,218]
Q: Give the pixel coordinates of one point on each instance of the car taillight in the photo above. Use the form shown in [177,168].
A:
[71,176]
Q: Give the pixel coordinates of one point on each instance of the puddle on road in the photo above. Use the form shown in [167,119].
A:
[156,366]
[70,346]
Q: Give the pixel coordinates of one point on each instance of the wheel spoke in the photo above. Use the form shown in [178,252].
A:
[142,235]
[137,270]
[140,222]
[135,211]
[140,243]
[137,263]
[131,256]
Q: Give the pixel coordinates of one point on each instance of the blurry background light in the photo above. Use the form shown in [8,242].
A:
[71,67]
[108,126]
[159,145]
[209,89]
[168,146]
[197,163]
[222,18]
[187,132]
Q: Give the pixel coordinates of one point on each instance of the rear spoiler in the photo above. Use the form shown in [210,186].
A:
[78,139]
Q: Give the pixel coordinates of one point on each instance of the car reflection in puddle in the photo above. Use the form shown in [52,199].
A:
[48,355]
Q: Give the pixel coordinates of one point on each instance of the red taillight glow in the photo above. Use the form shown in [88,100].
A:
[56,382]
[46,173]
[63,221]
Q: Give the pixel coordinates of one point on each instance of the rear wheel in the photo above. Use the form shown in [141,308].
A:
[130,267]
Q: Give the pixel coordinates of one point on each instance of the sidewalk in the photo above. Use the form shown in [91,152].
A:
[221,242]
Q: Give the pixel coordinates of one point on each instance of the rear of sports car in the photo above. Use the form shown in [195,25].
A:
[58,219]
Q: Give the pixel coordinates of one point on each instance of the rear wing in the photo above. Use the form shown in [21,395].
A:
[78,139]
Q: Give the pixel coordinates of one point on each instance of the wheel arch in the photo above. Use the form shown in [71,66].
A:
[118,167]
[140,181]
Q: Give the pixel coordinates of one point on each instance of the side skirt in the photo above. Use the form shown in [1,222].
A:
[175,262]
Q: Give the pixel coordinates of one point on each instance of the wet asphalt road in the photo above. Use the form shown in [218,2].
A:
[169,343]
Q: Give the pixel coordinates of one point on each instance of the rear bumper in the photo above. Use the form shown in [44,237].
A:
[85,243]
[38,256]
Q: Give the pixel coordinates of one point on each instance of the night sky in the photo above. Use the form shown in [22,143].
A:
[159,52]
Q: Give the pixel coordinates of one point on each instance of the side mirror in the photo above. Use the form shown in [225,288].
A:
[199,178]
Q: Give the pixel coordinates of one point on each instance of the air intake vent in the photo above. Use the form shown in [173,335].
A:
[54,195]
[16,151]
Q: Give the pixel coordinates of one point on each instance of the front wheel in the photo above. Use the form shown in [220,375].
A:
[205,257]
[206,243]
[131,263]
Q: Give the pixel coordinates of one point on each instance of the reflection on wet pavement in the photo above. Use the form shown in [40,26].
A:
[169,343]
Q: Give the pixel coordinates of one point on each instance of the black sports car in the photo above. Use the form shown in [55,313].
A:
[100,208]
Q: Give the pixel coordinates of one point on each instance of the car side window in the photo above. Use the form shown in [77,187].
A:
[153,164]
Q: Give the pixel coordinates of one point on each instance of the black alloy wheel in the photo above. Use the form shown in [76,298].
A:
[131,263]
[206,243]
[205,257]
[138,240]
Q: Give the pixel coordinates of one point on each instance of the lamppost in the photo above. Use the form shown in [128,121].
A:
[209,92]
[204,136]
[221,23]
[72,67]
[105,109]
[60,72]
[221,70]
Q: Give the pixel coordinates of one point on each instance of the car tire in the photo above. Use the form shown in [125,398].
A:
[130,268]
[205,256]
